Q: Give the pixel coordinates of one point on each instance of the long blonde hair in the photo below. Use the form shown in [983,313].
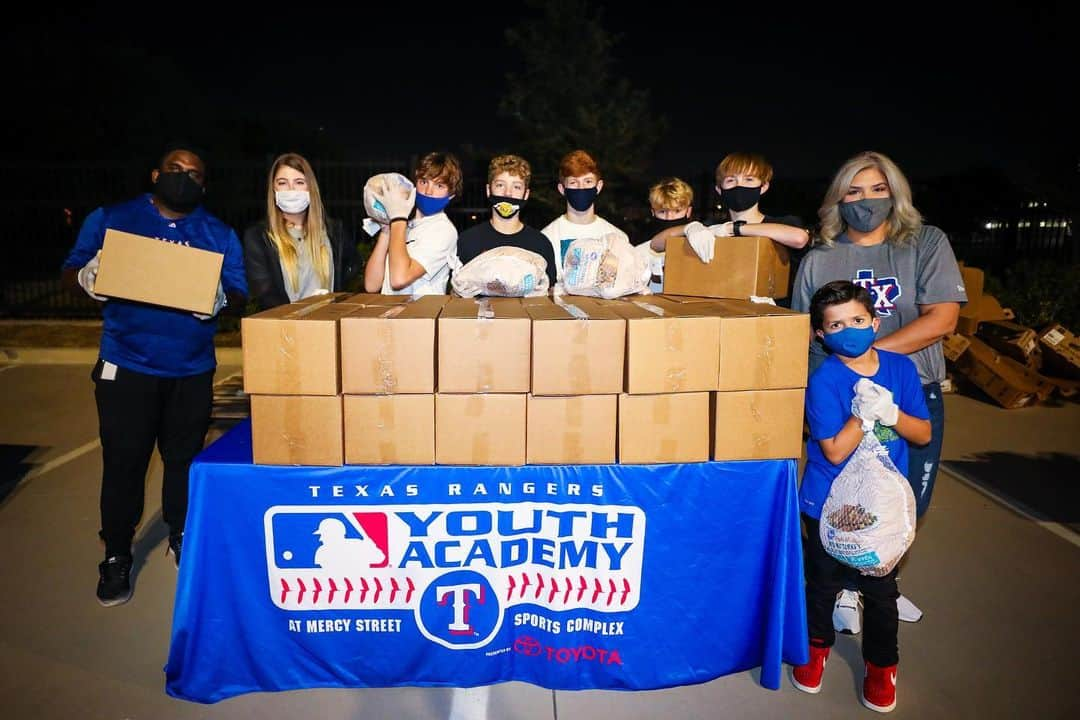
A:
[315,234]
[904,222]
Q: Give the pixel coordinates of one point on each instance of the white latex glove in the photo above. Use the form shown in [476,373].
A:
[87,277]
[723,229]
[701,240]
[219,302]
[396,205]
[873,402]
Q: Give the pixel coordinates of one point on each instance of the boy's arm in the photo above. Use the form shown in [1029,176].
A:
[658,242]
[404,271]
[376,263]
[790,235]
[915,430]
[839,447]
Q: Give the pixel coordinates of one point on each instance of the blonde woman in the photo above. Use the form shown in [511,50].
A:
[872,235]
[296,251]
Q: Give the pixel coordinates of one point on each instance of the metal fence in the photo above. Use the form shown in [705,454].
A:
[55,201]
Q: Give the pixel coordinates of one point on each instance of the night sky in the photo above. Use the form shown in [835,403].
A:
[941,91]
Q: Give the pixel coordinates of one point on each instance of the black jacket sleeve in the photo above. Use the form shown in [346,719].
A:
[346,260]
[265,283]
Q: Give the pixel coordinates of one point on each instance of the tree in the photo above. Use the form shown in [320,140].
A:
[567,95]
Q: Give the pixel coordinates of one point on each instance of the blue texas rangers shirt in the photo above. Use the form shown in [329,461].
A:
[148,338]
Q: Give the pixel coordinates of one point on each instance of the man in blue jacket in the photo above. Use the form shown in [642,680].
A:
[154,378]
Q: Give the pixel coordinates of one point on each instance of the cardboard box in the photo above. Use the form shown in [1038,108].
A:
[762,347]
[974,281]
[967,324]
[296,430]
[390,349]
[573,430]
[669,428]
[741,267]
[577,347]
[1010,339]
[293,349]
[990,310]
[134,267]
[953,346]
[480,429]
[669,347]
[758,424]
[1061,352]
[1008,382]
[484,346]
[377,299]
[389,429]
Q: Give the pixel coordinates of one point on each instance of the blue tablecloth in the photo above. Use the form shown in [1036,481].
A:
[578,577]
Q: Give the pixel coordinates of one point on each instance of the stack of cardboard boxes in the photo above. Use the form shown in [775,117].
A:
[368,379]
[388,380]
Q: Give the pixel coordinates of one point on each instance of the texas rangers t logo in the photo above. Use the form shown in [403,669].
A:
[885,290]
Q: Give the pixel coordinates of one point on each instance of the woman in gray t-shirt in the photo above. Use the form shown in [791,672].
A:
[872,235]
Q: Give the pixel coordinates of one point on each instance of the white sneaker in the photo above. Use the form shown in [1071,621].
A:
[845,615]
[908,611]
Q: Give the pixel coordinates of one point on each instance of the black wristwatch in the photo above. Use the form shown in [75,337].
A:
[736,227]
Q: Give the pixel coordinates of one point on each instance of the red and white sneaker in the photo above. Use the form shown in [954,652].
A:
[808,677]
[879,688]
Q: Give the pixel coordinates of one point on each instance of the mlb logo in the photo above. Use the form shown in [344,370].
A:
[339,543]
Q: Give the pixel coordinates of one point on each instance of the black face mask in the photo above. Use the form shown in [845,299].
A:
[658,224]
[178,192]
[505,206]
[740,198]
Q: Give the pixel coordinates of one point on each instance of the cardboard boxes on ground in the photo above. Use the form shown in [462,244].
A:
[1061,351]
[1008,361]
[1011,384]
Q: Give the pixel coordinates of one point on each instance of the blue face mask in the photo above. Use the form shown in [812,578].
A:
[581,199]
[850,342]
[867,214]
[431,205]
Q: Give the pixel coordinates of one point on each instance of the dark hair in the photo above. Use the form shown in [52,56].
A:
[837,292]
[176,145]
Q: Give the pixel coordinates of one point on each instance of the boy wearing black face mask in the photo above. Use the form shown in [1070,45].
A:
[741,180]
[580,182]
[507,191]
[154,376]
[671,202]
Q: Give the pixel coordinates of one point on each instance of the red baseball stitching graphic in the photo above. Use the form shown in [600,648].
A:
[601,594]
[401,590]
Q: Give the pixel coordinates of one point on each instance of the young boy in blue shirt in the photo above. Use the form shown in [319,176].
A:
[842,316]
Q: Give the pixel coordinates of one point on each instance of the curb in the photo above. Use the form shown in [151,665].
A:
[86,356]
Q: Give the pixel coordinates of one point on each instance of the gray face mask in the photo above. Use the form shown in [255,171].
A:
[867,214]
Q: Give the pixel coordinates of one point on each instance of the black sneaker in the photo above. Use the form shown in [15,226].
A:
[114,586]
[176,543]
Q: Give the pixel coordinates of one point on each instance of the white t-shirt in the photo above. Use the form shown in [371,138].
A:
[561,232]
[656,265]
[431,241]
